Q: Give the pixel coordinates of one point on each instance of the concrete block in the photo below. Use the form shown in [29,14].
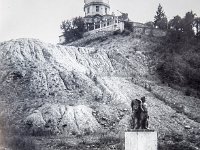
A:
[141,140]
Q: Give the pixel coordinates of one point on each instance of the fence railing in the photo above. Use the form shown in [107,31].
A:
[111,27]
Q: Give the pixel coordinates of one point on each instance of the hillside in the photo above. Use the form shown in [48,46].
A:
[66,97]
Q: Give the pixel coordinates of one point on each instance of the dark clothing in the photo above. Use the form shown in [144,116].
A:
[145,123]
[140,114]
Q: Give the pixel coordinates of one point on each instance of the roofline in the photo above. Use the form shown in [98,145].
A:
[96,3]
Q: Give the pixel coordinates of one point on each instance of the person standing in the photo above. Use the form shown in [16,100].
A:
[136,106]
[144,114]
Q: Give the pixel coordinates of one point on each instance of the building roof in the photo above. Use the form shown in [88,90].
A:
[101,1]
[96,2]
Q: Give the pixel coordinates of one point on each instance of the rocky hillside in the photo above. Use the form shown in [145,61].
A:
[72,92]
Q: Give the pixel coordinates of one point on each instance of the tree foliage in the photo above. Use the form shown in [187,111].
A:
[73,29]
[160,19]
[128,26]
[176,23]
[183,28]
[188,23]
[197,24]
[179,53]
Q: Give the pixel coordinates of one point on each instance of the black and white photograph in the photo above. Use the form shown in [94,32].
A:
[99,75]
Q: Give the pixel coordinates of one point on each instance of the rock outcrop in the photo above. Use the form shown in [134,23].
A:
[47,67]
[55,118]
[44,84]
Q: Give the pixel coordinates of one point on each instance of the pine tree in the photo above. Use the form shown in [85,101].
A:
[160,19]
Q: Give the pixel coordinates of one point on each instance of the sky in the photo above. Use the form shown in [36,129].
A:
[41,19]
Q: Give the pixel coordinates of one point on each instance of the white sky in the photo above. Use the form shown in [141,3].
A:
[41,19]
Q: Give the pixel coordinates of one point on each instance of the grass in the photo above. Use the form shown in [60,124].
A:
[20,143]
[101,141]
[175,141]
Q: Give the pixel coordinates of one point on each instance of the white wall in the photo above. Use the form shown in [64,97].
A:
[93,10]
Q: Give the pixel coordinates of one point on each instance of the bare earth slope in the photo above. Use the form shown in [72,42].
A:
[79,91]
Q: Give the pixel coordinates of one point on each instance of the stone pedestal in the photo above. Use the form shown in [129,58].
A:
[141,140]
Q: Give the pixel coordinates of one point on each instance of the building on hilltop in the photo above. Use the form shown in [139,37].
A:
[94,7]
[99,21]
[97,16]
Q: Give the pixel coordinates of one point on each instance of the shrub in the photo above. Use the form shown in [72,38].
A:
[188,92]
[73,29]
[126,32]
[128,26]
[20,143]
[116,32]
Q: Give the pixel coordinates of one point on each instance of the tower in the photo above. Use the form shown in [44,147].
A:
[96,7]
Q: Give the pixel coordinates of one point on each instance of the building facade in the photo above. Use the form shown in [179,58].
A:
[96,7]
[98,18]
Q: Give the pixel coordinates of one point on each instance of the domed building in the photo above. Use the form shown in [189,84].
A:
[97,14]
[96,7]
[98,18]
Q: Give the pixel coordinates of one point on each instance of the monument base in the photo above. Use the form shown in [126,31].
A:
[141,140]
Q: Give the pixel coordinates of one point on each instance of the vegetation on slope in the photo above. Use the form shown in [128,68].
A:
[179,53]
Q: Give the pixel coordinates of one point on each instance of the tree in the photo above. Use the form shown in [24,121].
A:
[66,25]
[197,24]
[176,23]
[162,23]
[79,24]
[188,23]
[73,29]
[160,19]
[128,26]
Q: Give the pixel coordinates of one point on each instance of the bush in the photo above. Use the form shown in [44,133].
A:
[128,26]
[73,29]
[20,143]
[198,35]
[126,32]
[179,61]
[188,92]
[116,32]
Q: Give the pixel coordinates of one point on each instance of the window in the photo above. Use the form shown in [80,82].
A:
[97,8]
[106,10]
[88,10]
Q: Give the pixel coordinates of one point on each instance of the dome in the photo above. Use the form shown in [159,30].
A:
[101,1]
[96,2]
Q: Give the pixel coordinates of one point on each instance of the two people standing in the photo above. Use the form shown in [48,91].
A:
[140,115]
